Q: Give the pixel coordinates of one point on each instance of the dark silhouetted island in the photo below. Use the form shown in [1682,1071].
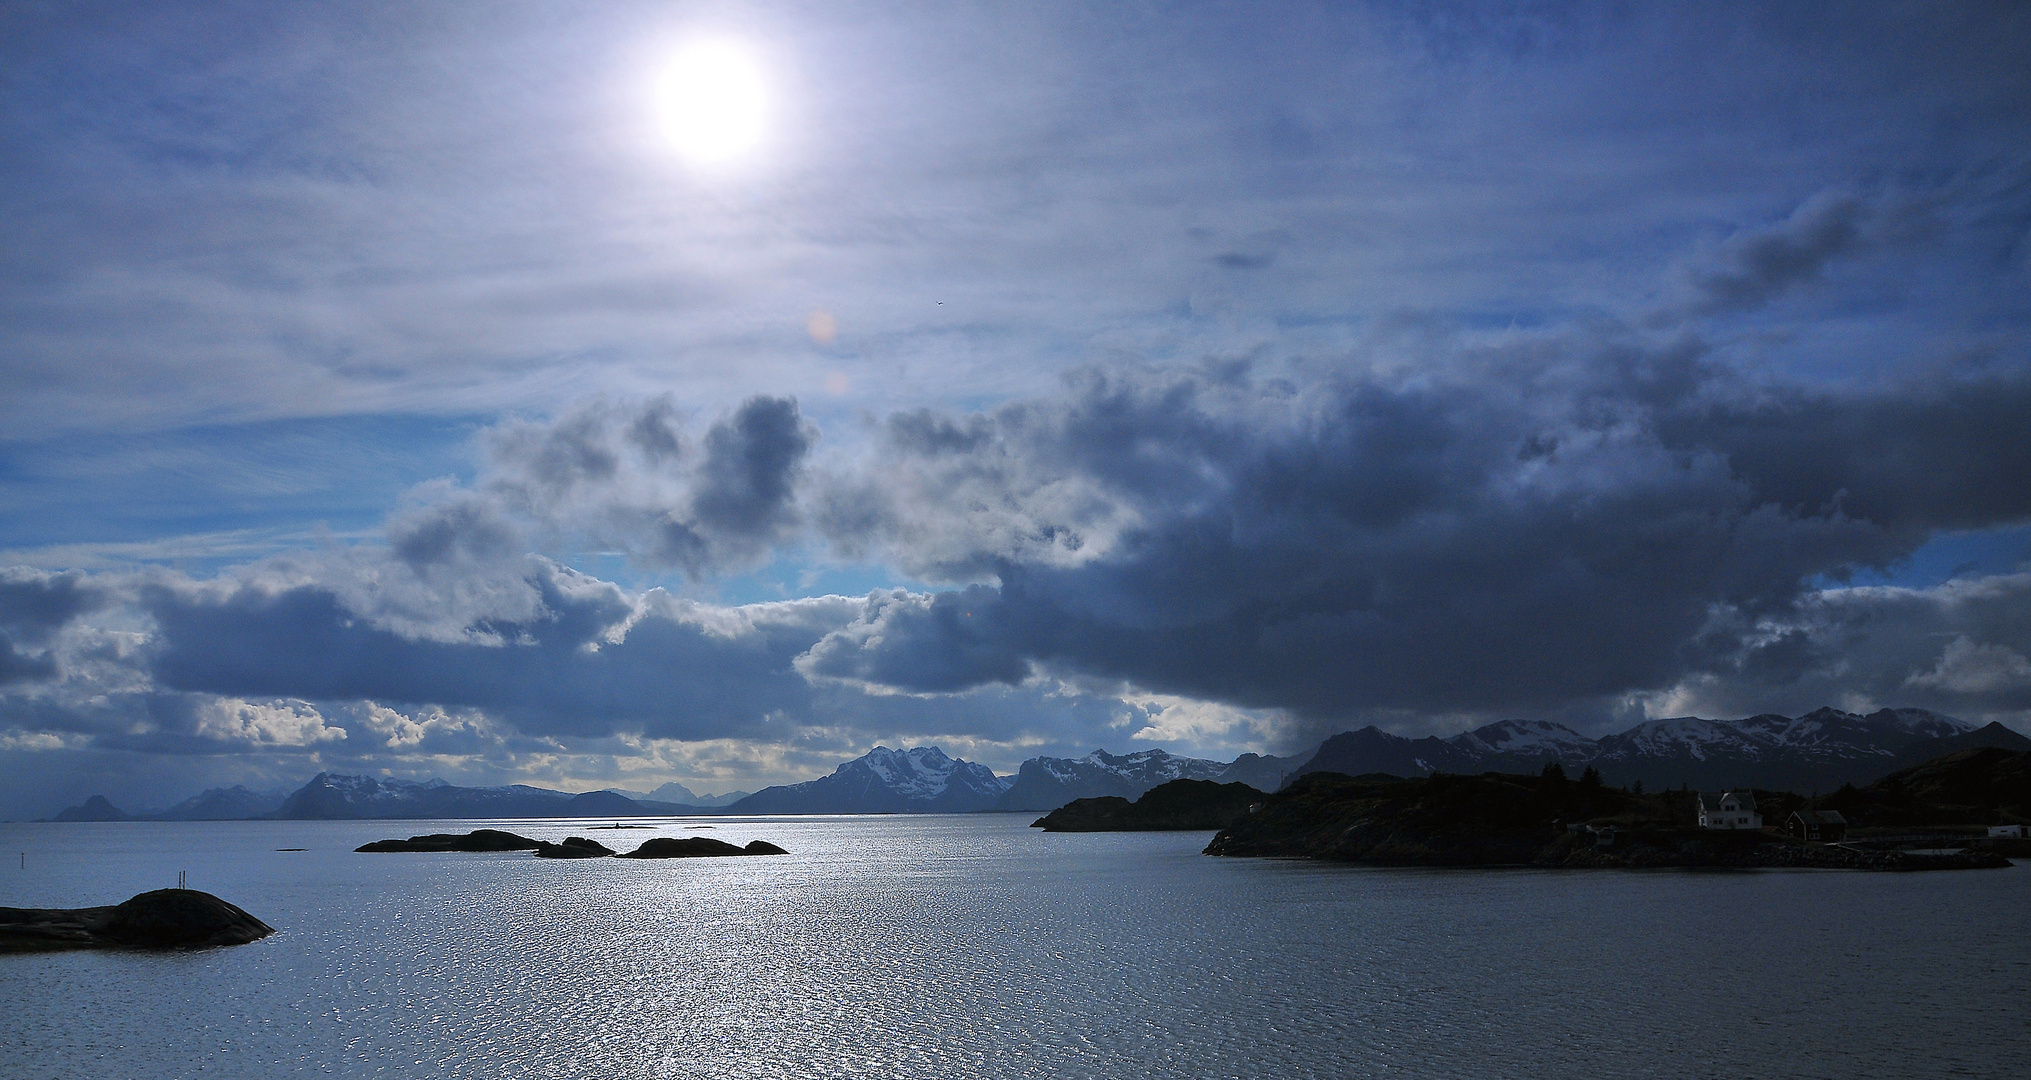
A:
[163,919]
[573,847]
[1179,805]
[1499,819]
[697,847]
[476,840]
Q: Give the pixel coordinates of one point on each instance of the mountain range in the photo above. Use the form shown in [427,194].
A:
[1819,751]
[885,781]
[1046,783]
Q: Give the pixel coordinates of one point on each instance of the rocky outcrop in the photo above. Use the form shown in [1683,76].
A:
[476,840]
[573,847]
[697,847]
[163,919]
[1180,805]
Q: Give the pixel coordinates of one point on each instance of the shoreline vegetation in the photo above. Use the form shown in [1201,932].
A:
[1916,819]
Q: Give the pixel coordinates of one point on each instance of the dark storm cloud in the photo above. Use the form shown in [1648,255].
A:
[34,605]
[1926,457]
[555,672]
[751,462]
[467,527]
[624,474]
[1525,528]
[1758,265]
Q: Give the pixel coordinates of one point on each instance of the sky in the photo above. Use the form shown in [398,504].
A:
[618,393]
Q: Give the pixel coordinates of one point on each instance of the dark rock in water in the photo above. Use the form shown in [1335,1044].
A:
[697,847]
[573,847]
[163,919]
[476,840]
[1177,806]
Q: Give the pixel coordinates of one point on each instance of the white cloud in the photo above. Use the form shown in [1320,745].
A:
[1969,668]
[277,723]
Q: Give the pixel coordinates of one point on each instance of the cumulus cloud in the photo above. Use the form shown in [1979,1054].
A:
[1533,525]
[628,475]
[275,723]
[34,605]
[1957,647]
[1970,668]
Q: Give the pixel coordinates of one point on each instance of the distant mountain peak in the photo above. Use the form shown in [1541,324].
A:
[922,779]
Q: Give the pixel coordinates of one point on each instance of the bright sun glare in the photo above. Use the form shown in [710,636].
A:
[712,101]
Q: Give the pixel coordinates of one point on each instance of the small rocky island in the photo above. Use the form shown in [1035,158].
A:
[697,847]
[476,840]
[162,919]
[572,847]
[1177,806]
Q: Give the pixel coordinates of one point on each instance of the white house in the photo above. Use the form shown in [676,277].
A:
[2007,832]
[1729,810]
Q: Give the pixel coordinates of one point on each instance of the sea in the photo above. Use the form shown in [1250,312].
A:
[976,946]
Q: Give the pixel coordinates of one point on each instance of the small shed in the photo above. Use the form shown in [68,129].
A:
[1822,826]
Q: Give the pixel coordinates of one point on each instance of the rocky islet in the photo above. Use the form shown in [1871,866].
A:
[571,847]
[162,919]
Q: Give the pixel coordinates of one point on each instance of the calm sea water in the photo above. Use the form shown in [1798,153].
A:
[976,947]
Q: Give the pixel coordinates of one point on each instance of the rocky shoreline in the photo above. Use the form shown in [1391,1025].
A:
[1504,820]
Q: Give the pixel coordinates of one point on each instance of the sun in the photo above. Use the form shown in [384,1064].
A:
[712,101]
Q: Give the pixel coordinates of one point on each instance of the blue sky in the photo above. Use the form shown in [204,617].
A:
[1039,377]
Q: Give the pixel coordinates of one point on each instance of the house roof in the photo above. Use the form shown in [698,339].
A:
[1820,817]
[1711,800]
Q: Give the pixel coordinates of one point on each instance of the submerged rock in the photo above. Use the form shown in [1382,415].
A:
[573,847]
[697,847]
[162,919]
[476,840]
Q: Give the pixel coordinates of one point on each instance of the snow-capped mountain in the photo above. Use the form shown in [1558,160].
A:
[1821,750]
[885,781]
[1046,783]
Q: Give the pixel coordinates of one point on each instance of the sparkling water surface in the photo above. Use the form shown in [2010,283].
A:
[974,946]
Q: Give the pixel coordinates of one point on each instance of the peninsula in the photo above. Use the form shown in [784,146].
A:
[1500,819]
